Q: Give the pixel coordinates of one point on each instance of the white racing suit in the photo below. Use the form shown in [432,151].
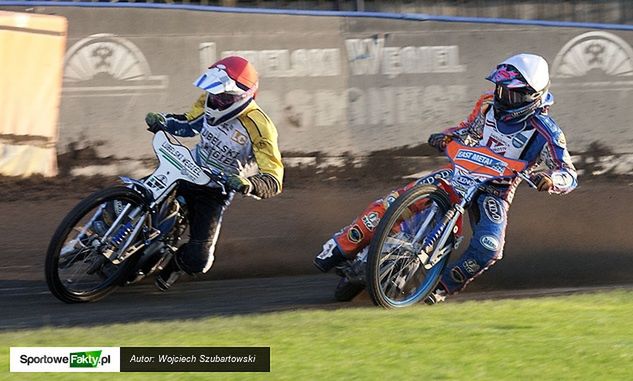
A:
[246,145]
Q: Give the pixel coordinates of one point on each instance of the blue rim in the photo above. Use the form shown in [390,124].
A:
[429,281]
[431,276]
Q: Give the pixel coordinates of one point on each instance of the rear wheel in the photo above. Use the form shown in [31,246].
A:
[396,276]
[77,269]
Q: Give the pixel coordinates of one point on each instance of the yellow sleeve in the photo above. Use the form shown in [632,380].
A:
[197,109]
[263,134]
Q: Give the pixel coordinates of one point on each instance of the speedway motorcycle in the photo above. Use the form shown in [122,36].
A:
[413,240]
[125,233]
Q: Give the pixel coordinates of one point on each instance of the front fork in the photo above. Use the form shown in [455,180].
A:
[434,245]
[122,234]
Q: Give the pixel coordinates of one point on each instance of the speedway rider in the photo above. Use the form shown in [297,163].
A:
[236,137]
[514,122]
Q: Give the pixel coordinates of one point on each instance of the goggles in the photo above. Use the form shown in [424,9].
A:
[223,101]
[511,97]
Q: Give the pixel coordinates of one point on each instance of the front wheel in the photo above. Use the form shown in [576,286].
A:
[396,276]
[77,267]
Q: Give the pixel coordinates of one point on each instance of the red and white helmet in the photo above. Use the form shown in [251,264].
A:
[231,84]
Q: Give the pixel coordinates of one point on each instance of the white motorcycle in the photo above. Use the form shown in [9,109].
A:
[122,234]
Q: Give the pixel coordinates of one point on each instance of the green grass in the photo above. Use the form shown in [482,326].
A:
[581,337]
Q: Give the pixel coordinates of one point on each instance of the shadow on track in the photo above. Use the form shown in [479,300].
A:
[29,304]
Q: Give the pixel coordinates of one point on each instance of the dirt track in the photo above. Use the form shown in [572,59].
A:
[582,239]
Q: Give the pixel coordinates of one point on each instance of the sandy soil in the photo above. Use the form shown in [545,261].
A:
[580,239]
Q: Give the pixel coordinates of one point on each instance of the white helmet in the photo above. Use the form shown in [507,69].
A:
[521,83]
[231,84]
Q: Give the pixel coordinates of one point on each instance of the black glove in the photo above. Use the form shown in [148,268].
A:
[439,141]
[155,122]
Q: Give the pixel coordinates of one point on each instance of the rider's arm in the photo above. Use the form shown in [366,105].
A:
[555,155]
[470,130]
[473,125]
[189,123]
[263,134]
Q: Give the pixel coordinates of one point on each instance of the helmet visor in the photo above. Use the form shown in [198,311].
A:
[223,101]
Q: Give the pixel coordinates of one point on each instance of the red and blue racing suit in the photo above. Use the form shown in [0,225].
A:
[537,140]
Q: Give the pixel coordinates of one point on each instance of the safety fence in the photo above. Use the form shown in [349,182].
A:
[597,11]
[337,85]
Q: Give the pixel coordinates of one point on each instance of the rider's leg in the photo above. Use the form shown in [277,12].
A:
[206,207]
[489,221]
[353,238]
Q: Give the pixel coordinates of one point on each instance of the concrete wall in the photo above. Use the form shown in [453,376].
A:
[331,84]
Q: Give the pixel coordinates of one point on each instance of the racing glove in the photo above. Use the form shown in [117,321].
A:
[239,184]
[155,122]
[439,141]
[542,181]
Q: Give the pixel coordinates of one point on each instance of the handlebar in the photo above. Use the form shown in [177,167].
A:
[217,176]
[523,175]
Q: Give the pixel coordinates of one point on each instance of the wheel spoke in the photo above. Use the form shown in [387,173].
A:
[399,279]
[68,260]
[81,268]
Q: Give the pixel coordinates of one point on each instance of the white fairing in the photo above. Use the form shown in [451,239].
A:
[175,163]
[533,68]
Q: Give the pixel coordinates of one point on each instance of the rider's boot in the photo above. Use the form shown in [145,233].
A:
[168,275]
[437,296]
[329,257]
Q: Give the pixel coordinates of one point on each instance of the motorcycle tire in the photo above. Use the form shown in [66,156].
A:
[423,282]
[120,272]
